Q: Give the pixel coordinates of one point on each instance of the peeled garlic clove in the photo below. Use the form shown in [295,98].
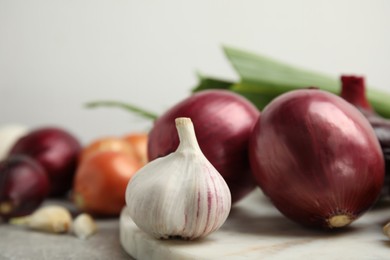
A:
[84,226]
[53,219]
[180,195]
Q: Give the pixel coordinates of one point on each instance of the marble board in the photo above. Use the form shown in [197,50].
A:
[256,230]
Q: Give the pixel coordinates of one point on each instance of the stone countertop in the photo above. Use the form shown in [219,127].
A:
[256,230]
[17,243]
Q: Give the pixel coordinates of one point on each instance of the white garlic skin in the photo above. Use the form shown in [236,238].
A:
[180,195]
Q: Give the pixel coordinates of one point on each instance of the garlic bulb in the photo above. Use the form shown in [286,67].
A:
[180,195]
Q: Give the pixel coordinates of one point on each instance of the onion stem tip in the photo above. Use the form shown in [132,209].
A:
[338,221]
[5,207]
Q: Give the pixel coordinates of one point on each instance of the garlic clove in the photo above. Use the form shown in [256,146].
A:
[84,226]
[180,195]
[386,229]
[52,219]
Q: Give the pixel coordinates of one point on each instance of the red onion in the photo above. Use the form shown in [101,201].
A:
[223,123]
[353,89]
[56,150]
[24,184]
[317,158]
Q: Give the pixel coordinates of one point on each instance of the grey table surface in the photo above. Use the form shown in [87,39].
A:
[17,243]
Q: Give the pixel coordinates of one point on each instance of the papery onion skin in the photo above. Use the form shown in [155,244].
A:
[227,120]
[316,157]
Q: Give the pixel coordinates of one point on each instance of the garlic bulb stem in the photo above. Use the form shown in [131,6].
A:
[180,195]
[186,132]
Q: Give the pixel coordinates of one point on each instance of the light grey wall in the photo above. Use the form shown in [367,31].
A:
[56,55]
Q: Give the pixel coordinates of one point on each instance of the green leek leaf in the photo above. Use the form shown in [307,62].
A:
[260,75]
[211,83]
[254,68]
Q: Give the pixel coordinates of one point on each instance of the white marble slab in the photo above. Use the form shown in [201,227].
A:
[255,230]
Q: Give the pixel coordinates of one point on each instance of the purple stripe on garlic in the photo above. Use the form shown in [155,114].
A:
[180,195]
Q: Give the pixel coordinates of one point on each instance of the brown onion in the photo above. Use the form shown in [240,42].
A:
[317,158]
[226,121]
